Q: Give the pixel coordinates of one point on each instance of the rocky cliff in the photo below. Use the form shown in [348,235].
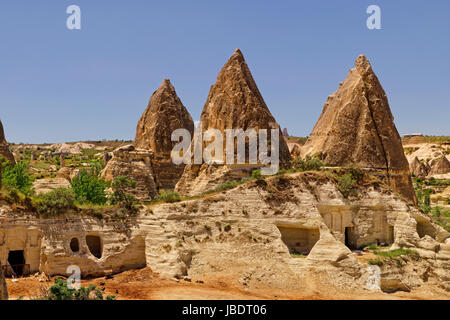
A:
[4,149]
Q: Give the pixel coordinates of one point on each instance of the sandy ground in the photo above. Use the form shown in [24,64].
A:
[143,284]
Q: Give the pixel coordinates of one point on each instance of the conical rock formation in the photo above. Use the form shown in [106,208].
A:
[357,127]
[419,169]
[164,114]
[4,148]
[148,161]
[234,102]
[440,166]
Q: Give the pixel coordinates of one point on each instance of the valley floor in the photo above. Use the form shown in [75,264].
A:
[143,284]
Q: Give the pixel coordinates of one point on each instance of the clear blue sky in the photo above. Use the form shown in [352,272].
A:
[62,85]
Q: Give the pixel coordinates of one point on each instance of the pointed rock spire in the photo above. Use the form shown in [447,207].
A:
[357,127]
[419,169]
[164,114]
[234,102]
[4,148]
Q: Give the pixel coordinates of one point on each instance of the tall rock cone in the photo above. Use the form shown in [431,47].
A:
[4,148]
[234,102]
[357,127]
[164,114]
[419,169]
[148,161]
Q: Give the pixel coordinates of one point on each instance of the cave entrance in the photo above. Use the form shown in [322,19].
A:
[74,245]
[94,244]
[350,238]
[299,240]
[16,264]
[425,228]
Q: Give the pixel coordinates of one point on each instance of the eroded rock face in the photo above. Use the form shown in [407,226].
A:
[357,127]
[4,148]
[440,166]
[259,224]
[46,185]
[419,169]
[164,114]
[234,102]
[133,164]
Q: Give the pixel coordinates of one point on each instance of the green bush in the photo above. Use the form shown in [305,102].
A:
[169,196]
[120,195]
[256,174]
[346,184]
[56,202]
[89,188]
[60,291]
[307,164]
[17,176]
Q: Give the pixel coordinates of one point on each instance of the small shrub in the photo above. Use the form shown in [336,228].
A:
[256,174]
[307,164]
[121,197]
[60,291]
[56,202]
[376,262]
[346,184]
[169,196]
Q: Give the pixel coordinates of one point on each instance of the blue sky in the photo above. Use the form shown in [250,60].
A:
[67,85]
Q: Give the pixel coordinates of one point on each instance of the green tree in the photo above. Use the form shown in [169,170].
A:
[89,188]
[121,186]
[18,177]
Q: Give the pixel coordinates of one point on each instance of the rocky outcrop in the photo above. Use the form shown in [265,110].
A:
[262,225]
[295,149]
[4,148]
[418,168]
[134,164]
[234,102]
[440,166]
[357,127]
[50,184]
[3,288]
[164,114]
[148,161]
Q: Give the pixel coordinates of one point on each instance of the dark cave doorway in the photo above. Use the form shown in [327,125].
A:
[16,260]
[349,238]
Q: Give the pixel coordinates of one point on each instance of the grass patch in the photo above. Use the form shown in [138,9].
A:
[376,262]
[396,253]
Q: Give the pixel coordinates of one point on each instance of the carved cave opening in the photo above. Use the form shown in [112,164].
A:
[16,260]
[94,244]
[74,245]
[299,240]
